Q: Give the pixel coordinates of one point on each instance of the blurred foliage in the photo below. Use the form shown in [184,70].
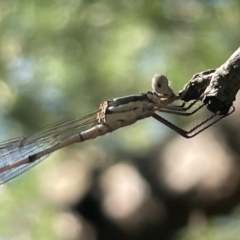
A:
[61,58]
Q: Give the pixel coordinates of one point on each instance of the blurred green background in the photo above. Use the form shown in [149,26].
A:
[63,58]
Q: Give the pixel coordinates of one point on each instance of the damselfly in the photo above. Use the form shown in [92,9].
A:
[20,154]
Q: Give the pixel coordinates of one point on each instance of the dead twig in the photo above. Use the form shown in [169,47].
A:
[217,88]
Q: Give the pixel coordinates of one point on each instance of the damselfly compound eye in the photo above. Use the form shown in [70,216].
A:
[160,85]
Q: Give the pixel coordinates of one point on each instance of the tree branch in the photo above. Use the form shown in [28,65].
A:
[217,88]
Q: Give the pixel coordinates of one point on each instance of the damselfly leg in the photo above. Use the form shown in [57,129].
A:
[198,128]
[183,109]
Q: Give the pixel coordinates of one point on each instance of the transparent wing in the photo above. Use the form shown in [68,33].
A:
[13,150]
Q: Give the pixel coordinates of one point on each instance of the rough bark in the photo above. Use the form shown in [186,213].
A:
[217,88]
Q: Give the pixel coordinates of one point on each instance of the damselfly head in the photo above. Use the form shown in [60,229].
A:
[160,85]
